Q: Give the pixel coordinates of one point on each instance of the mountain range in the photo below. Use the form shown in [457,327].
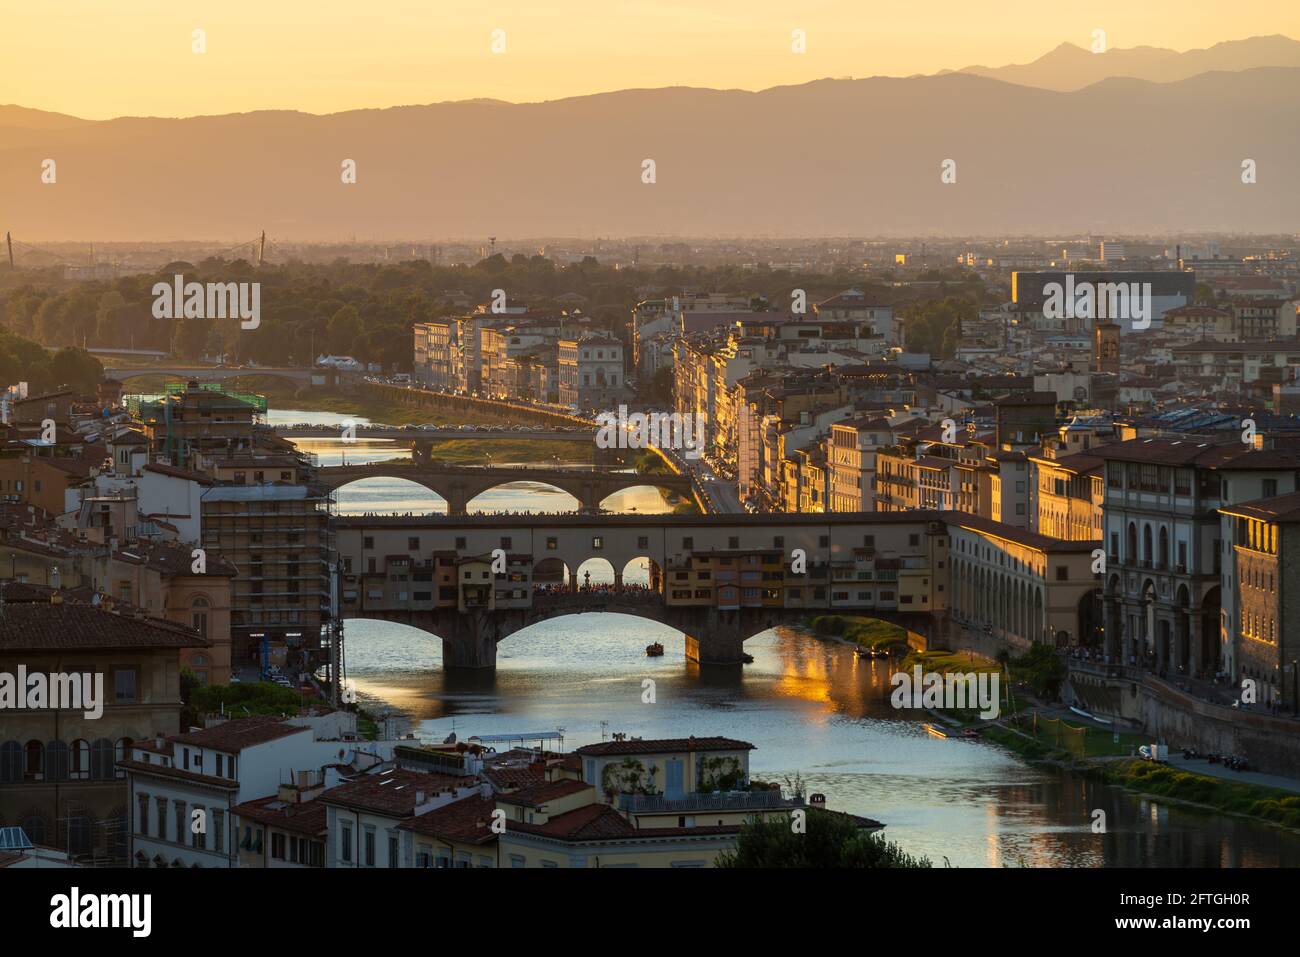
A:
[825,158]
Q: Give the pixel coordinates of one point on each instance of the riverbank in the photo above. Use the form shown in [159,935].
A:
[1151,779]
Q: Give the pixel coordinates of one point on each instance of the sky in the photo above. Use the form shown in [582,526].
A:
[98,59]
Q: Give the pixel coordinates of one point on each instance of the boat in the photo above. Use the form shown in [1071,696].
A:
[747,658]
[935,730]
[863,653]
[969,733]
[1091,717]
[655,650]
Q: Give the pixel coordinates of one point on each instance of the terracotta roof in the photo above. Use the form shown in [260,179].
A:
[44,626]
[236,734]
[179,774]
[663,746]
[306,817]
[176,472]
[1279,508]
[591,823]
[539,795]
[173,559]
[1208,454]
[467,821]
[391,792]
[514,778]
[1020,536]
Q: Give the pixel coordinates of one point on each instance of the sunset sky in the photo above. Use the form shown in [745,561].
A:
[97,59]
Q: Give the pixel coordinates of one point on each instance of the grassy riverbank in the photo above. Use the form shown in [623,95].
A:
[1230,797]
[867,632]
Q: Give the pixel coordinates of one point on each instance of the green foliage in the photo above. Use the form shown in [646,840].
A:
[1237,797]
[831,840]
[1041,669]
[867,632]
[934,325]
[240,700]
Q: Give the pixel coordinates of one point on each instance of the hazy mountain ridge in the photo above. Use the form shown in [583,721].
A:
[831,157]
[1069,67]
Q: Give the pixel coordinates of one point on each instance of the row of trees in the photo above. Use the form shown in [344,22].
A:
[22,360]
[367,310]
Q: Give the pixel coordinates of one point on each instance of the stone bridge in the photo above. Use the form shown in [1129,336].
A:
[717,579]
[215,373]
[713,636]
[459,485]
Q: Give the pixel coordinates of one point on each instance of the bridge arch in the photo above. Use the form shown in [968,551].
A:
[488,500]
[408,496]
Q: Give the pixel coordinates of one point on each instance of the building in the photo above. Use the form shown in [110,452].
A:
[1265,550]
[278,536]
[1070,495]
[1168,606]
[59,779]
[853,445]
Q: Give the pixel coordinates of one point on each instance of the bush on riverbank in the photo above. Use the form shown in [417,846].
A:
[867,632]
[1236,797]
[830,840]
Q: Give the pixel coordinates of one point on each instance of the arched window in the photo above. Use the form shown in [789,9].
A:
[1164,547]
[199,608]
[56,761]
[11,762]
[1132,543]
[34,761]
[101,760]
[79,760]
[1146,544]
[122,752]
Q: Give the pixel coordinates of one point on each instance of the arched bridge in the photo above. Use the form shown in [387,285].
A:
[475,580]
[459,485]
[214,373]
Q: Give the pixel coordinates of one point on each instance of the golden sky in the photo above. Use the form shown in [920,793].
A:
[97,59]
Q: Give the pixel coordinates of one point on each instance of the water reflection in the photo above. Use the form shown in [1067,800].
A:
[812,709]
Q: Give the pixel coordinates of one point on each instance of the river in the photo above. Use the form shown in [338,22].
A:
[811,708]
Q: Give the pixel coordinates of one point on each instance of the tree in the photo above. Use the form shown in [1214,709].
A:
[830,840]
[77,369]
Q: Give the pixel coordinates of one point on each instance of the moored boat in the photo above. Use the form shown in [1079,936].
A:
[654,650]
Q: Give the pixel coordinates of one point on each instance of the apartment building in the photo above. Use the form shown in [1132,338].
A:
[1264,538]
[853,447]
[1070,495]
[59,779]
[278,537]
[1169,604]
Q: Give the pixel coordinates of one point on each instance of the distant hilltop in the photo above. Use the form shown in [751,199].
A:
[956,153]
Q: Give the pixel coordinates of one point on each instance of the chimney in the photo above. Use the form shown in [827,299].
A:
[159,741]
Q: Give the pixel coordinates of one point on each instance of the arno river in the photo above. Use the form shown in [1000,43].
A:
[810,707]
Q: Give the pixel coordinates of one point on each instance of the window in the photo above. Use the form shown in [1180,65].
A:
[913,540]
[1062,573]
[643,541]
[552,544]
[124,681]
[1270,488]
[368,542]
[688,543]
[506,542]
[199,615]
[370,848]
[219,831]
[277,847]
[460,542]
[345,836]
[393,855]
